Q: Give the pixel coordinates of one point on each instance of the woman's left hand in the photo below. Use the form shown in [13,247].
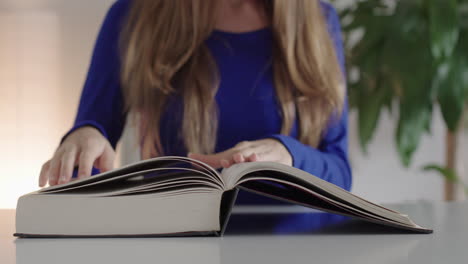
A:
[247,151]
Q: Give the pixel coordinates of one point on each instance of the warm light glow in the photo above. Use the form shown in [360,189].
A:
[45,50]
[30,100]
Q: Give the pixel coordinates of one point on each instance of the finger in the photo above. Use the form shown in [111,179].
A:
[253,158]
[44,173]
[225,163]
[212,160]
[54,170]
[238,158]
[106,161]
[87,159]
[66,166]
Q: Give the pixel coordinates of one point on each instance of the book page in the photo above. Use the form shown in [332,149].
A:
[286,190]
[234,176]
[142,173]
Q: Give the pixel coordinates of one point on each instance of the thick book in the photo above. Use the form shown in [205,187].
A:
[178,196]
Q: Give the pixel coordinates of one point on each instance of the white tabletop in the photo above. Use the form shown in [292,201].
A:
[252,238]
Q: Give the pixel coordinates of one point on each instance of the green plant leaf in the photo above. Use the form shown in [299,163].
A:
[364,94]
[407,55]
[463,13]
[374,33]
[413,122]
[463,53]
[447,173]
[451,92]
[408,60]
[369,112]
[444,27]
[370,106]
[451,85]
[354,94]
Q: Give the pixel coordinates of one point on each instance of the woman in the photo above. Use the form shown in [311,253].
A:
[223,82]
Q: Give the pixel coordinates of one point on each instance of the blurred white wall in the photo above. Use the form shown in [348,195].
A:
[45,48]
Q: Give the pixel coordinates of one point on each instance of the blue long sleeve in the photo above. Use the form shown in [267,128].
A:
[101,104]
[330,160]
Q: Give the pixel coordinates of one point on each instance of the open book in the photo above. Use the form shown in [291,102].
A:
[178,196]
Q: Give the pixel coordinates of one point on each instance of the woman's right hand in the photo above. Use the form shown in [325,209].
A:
[86,147]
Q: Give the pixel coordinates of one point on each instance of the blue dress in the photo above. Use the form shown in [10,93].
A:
[246,99]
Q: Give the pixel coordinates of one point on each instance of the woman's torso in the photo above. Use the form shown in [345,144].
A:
[246,97]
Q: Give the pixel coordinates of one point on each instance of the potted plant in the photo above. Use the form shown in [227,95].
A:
[412,54]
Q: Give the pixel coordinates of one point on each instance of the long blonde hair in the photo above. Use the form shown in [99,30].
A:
[164,54]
